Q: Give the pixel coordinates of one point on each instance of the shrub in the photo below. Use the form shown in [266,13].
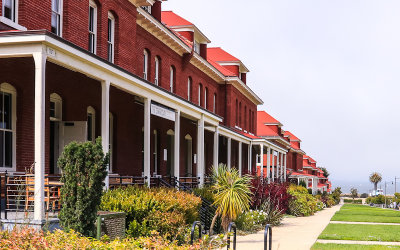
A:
[336,194]
[251,221]
[302,203]
[364,195]
[28,238]
[167,211]
[380,199]
[275,193]
[83,168]
[352,201]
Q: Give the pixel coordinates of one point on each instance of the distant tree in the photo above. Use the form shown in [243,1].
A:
[336,194]
[326,173]
[354,193]
[375,178]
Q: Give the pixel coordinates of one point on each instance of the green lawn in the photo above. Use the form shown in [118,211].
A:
[361,232]
[320,246]
[362,213]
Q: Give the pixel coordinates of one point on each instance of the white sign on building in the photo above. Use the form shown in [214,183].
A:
[162,112]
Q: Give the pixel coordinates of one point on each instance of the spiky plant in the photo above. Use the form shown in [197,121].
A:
[232,194]
[375,178]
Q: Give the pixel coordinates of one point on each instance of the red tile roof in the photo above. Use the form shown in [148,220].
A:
[292,137]
[219,55]
[221,69]
[264,130]
[172,19]
[263,117]
[321,185]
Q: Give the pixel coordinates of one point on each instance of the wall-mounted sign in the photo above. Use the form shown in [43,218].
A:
[162,112]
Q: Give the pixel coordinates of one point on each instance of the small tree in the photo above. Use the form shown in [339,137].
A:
[326,173]
[354,193]
[375,178]
[83,168]
[232,194]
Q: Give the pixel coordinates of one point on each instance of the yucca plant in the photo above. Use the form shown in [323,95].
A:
[232,194]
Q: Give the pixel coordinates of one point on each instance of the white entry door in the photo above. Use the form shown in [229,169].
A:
[72,131]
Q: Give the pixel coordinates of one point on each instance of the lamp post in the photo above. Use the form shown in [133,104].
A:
[386,182]
[395,184]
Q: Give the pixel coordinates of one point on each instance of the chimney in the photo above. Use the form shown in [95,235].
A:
[156,10]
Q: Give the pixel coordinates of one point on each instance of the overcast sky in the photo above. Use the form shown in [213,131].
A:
[328,70]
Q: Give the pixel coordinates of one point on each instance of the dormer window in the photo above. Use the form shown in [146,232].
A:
[10,9]
[147,8]
[197,47]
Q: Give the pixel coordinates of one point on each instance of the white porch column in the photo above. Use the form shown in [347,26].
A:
[284,168]
[249,158]
[269,164]
[229,153]
[281,167]
[240,158]
[262,160]
[278,166]
[200,150]
[146,143]
[177,142]
[40,117]
[105,123]
[273,166]
[216,147]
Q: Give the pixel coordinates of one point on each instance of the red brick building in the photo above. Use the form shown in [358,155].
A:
[165,104]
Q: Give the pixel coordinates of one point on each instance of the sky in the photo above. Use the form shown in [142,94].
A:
[329,71]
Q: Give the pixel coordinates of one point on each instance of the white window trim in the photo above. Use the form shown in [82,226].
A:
[54,97]
[156,71]
[171,79]
[112,42]
[92,111]
[14,13]
[61,16]
[189,89]
[199,97]
[94,6]
[205,97]
[145,64]
[214,103]
[8,88]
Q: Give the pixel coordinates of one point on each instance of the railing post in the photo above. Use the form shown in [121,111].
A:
[198,224]
[6,201]
[268,232]
[231,226]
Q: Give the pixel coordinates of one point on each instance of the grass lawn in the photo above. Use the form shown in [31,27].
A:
[362,213]
[320,246]
[361,232]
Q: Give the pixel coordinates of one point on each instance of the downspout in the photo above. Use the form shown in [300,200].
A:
[226,103]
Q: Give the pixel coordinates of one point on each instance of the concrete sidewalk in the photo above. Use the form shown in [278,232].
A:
[294,233]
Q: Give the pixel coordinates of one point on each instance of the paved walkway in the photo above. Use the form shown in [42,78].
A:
[365,223]
[384,243]
[294,234]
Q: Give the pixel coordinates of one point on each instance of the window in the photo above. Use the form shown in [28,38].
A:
[111,37]
[236,113]
[92,26]
[240,114]
[205,97]
[215,103]
[200,90]
[56,14]
[7,125]
[145,64]
[91,124]
[10,9]
[147,8]
[157,71]
[245,118]
[171,78]
[111,140]
[189,89]
[197,47]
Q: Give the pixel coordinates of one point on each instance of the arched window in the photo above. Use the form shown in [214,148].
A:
[91,124]
[145,64]
[55,119]
[111,37]
[8,96]
[55,107]
[157,71]
[240,114]
[189,89]
[250,120]
[215,103]
[92,26]
[236,113]
[245,118]
[171,78]
[188,158]
[205,97]
[200,91]
[170,156]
